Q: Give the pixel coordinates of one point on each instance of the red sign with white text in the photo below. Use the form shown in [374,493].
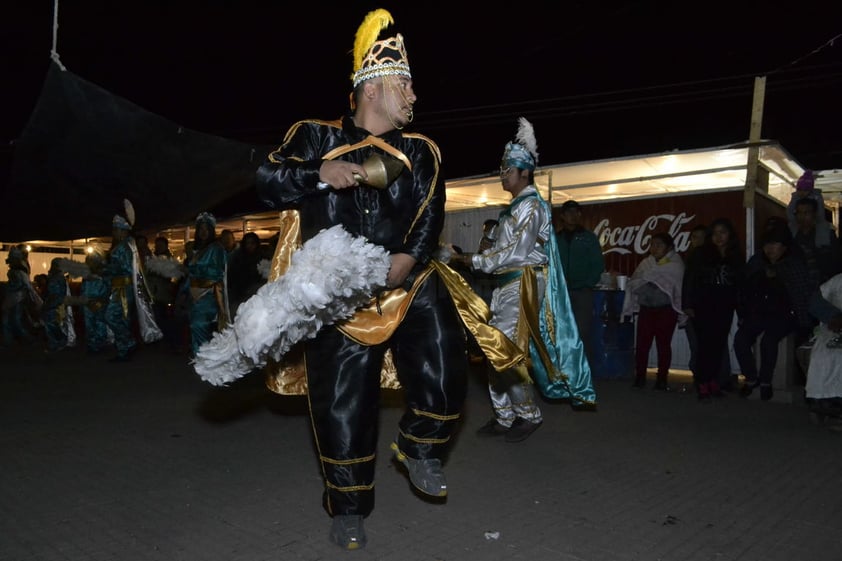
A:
[625,228]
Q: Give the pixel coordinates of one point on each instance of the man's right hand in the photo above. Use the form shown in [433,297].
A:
[464,259]
[340,174]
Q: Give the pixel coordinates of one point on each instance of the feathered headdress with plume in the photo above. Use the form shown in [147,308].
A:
[373,58]
[126,223]
[523,152]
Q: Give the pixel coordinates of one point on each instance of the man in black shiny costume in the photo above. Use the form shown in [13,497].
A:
[318,173]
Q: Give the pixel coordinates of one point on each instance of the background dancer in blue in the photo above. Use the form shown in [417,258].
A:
[54,312]
[206,283]
[119,272]
[95,290]
[20,296]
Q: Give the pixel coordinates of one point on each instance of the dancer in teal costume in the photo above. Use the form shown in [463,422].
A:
[96,291]
[118,273]
[20,295]
[53,313]
[206,283]
[559,367]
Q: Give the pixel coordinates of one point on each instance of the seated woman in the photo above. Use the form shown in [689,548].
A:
[773,299]
[654,292]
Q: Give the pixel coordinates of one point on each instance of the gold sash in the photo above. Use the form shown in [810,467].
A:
[501,352]
[200,287]
[372,325]
[119,284]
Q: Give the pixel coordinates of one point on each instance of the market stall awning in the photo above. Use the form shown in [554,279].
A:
[651,175]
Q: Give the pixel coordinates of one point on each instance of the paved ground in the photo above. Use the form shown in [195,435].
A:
[143,461]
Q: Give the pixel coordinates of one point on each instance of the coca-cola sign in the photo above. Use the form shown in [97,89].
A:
[625,227]
[636,238]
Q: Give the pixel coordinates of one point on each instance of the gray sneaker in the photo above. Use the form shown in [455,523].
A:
[347,531]
[426,475]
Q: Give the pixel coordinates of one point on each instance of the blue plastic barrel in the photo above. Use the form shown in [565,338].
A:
[612,341]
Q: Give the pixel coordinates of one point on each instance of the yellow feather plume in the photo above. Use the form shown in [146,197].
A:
[367,33]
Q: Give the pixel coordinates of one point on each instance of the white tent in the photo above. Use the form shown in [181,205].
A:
[722,168]
[650,175]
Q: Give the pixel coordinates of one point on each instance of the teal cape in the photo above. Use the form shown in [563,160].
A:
[567,373]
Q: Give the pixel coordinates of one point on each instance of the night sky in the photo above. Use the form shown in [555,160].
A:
[596,80]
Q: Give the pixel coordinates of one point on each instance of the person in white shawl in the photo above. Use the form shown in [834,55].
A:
[824,375]
[654,293]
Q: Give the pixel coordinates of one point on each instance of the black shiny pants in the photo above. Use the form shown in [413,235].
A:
[343,378]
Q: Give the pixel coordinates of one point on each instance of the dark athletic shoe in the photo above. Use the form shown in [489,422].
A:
[748,387]
[492,428]
[521,429]
[766,392]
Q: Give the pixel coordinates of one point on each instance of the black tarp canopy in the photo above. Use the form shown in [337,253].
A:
[84,150]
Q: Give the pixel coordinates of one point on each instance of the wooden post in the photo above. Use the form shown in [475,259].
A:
[550,188]
[754,139]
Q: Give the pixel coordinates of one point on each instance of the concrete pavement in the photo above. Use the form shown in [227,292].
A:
[144,461]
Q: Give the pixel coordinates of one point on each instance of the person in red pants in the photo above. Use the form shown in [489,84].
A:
[654,293]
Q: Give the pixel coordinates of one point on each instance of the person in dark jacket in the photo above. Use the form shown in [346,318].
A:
[583,264]
[817,240]
[244,278]
[709,297]
[317,176]
[774,301]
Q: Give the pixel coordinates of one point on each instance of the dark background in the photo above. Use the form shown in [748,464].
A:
[597,79]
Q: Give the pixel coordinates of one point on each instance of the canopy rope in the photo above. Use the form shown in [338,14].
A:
[821,47]
[54,52]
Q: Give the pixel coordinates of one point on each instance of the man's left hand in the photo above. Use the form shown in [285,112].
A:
[402,264]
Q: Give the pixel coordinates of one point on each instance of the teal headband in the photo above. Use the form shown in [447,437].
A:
[516,156]
[207,218]
[120,223]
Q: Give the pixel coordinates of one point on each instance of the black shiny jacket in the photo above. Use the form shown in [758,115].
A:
[406,217]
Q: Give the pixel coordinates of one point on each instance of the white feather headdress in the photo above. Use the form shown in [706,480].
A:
[526,137]
[522,153]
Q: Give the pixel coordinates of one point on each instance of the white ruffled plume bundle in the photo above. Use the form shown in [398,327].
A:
[331,276]
[264,267]
[167,267]
[73,268]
